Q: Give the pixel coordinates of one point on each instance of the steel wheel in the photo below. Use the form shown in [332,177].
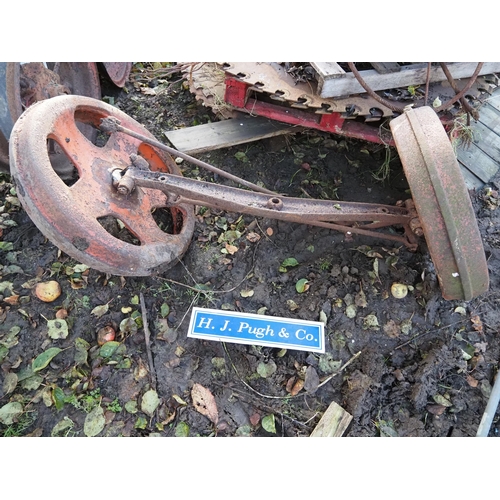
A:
[21,85]
[78,218]
[442,202]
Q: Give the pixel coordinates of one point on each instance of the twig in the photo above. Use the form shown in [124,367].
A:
[343,367]
[147,337]
[418,335]
[248,386]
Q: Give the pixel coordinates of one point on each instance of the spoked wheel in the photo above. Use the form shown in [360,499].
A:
[442,202]
[90,220]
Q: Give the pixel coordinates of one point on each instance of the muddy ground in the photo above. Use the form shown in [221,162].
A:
[425,368]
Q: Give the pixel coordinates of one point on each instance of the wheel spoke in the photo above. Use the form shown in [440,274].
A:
[71,216]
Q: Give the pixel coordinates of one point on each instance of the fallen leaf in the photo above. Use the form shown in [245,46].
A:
[204,402]
[57,328]
[128,325]
[360,299]
[182,430]
[302,285]
[131,406]
[13,300]
[42,360]
[436,409]
[81,351]
[99,311]
[290,262]
[62,427]
[351,311]
[164,310]
[323,317]
[472,381]
[297,387]
[477,323]
[247,293]
[109,348]
[269,424]
[265,370]
[94,422]
[231,249]
[255,419]
[370,322]
[150,401]
[311,381]
[392,329]
[441,400]
[253,237]
[9,383]
[10,412]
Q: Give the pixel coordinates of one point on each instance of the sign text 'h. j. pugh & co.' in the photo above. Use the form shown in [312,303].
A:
[257,329]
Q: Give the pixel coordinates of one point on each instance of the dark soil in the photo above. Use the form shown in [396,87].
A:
[426,366]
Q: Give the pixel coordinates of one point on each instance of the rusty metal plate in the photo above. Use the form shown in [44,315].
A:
[442,202]
[70,216]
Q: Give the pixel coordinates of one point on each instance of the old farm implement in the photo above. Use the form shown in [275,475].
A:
[126,174]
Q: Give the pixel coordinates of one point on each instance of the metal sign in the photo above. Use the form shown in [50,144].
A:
[257,329]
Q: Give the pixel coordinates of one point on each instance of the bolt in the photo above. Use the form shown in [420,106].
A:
[125,186]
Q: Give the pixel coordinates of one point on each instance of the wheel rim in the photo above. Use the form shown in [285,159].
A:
[442,202]
[71,216]
[22,85]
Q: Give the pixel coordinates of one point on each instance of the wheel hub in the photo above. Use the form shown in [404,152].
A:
[77,217]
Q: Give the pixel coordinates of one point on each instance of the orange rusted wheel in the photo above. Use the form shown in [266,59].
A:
[138,235]
[442,202]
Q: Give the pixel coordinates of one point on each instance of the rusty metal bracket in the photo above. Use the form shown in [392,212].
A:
[357,218]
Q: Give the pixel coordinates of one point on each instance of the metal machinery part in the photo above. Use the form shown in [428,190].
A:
[77,217]
[22,84]
[442,202]
[272,91]
[128,178]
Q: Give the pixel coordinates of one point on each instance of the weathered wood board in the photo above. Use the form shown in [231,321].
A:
[414,74]
[386,67]
[226,133]
[333,423]
[480,161]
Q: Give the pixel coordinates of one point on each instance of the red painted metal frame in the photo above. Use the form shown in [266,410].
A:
[237,93]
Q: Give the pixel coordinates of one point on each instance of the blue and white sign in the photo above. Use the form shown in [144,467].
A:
[257,329]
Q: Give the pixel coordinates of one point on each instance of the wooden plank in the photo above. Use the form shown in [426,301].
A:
[490,117]
[333,423]
[487,140]
[386,67]
[471,181]
[478,162]
[494,100]
[327,70]
[414,74]
[223,134]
